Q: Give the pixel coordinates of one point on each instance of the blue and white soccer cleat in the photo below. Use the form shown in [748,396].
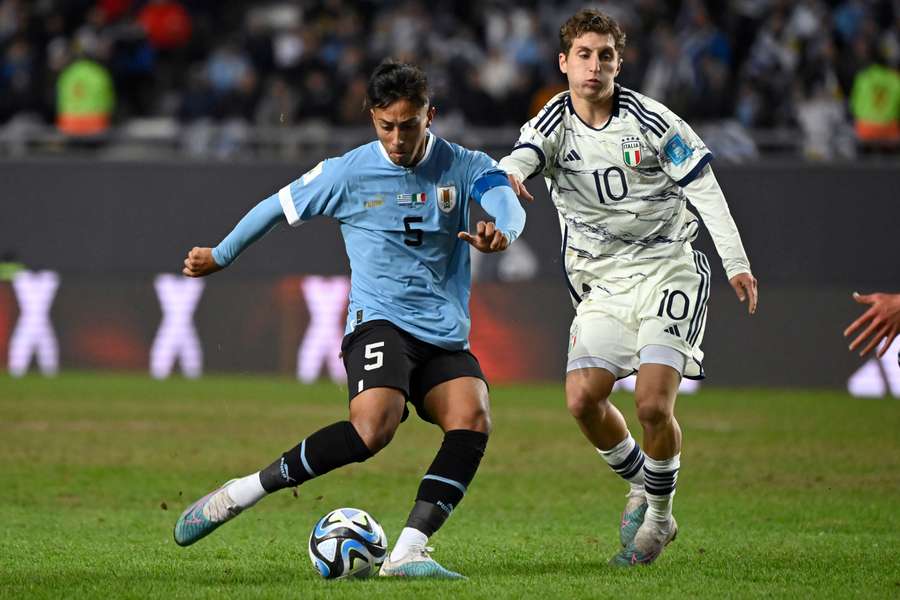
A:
[647,545]
[205,515]
[632,517]
[417,563]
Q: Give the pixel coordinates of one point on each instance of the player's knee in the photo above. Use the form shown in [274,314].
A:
[376,433]
[581,402]
[654,411]
[476,418]
[480,420]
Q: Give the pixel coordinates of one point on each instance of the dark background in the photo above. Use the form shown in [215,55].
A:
[802,225]
[814,234]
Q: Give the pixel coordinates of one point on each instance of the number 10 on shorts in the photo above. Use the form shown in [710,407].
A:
[668,303]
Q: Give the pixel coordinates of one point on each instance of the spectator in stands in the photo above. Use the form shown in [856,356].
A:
[317,98]
[350,111]
[278,105]
[232,81]
[875,104]
[85,98]
[669,77]
[17,78]
[167,23]
[761,61]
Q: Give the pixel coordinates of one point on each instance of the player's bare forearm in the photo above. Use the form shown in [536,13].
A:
[200,263]
[882,318]
[747,288]
[487,238]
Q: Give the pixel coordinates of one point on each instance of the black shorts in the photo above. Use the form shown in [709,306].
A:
[380,354]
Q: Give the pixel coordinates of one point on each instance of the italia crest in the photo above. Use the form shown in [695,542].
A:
[631,150]
[446,198]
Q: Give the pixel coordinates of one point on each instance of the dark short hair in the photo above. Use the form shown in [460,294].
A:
[590,20]
[394,81]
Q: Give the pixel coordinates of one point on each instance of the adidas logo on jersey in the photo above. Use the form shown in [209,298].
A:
[673,330]
[572,156]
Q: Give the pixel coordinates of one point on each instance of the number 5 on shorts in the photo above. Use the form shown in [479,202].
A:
[372,354]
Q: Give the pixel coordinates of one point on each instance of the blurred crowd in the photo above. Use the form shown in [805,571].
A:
[827,68]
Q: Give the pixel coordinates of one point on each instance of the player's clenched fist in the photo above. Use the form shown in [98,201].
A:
[200,262]
[487,237]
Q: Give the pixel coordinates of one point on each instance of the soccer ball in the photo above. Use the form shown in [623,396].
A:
[347,542]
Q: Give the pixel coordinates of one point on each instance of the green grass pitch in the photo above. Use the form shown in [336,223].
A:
[782,494]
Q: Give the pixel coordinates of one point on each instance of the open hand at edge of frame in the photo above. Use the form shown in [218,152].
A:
[883,317]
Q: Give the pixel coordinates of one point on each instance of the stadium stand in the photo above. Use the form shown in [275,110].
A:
[221,79]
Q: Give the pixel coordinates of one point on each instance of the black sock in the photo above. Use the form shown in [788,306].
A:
[329,448]
[444,486]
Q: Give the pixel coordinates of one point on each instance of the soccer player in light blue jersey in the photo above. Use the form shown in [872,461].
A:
[403,205]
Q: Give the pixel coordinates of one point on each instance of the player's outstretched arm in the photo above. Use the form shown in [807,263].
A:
[261,219]
[500,202]
[883,317]
[745,286]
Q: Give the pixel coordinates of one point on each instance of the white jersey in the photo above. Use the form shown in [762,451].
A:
[620,190]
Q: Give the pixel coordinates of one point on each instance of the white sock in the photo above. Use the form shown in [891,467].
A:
[660,477]
[408,537]
[627,459]
[247,491]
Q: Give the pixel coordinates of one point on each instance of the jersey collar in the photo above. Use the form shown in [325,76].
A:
[614,113]
[429,145]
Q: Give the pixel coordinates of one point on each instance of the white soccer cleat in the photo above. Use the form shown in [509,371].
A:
[417,563]
[647,545]
[632,516]
[205,515]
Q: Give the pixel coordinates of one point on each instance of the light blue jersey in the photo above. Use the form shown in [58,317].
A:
[400,229]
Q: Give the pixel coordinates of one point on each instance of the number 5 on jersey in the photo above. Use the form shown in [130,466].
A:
[372,353]
[413,236]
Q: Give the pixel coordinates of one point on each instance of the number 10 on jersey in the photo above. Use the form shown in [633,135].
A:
[608,187]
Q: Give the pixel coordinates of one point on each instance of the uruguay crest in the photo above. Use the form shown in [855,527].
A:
[631,150]
[446,198]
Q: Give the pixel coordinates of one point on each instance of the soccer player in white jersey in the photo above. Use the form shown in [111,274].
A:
[620,168]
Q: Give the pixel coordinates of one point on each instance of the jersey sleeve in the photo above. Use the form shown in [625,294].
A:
[482,174]
[681,153]
[538,142]
[707,197]
[488,185]
[319,191]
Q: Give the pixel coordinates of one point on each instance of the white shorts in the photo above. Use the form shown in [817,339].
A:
[667,309]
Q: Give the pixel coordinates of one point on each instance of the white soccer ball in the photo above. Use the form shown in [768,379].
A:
[347,542]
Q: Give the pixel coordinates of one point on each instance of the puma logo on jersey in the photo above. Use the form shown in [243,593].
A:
[673,330]
[572,156]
